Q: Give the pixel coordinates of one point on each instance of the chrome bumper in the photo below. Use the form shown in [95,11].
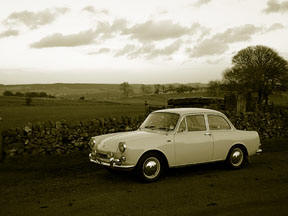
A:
[113,163]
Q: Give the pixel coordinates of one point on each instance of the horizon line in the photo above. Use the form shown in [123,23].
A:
[83,83]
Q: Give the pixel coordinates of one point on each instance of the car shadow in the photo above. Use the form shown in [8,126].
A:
[197,169]
[208,170]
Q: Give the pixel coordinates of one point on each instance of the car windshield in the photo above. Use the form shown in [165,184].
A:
[161,121]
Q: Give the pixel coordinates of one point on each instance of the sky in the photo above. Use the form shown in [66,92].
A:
[145,42]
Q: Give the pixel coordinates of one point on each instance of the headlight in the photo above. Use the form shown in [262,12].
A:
[92,143]
[122,147]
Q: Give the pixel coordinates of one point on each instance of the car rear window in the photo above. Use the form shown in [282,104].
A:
[218,123]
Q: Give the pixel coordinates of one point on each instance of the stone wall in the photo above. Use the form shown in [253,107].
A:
[63,138]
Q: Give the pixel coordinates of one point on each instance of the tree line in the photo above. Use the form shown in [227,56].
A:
[127,89]
[28,94]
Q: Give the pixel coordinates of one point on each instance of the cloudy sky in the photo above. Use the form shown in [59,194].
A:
[111,41]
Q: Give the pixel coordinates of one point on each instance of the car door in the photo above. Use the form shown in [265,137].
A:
[222,135]
[193,143]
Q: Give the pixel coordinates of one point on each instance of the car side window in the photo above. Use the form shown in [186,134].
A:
[196,123]
[182,126]
[218,123]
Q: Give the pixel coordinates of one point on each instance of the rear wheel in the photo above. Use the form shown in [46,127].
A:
[150,167]
[236,158]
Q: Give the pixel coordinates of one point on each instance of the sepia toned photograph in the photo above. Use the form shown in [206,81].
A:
[144,107]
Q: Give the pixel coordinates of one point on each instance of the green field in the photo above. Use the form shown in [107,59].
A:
[15,113]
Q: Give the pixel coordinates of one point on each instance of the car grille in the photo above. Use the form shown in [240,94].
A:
[101,155]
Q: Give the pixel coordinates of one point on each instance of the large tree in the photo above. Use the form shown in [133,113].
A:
[257,69]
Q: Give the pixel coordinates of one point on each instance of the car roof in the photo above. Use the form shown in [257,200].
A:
[182,111]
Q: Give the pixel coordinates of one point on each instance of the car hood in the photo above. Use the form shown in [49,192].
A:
[109,142]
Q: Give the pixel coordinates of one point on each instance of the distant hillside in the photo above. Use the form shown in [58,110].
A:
[89,91]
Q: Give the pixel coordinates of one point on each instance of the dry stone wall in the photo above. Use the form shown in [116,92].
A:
[63,138]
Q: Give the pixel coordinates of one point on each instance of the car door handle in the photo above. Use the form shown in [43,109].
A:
[207,134]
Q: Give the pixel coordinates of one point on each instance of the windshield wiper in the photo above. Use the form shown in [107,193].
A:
[150,127]
[164,128]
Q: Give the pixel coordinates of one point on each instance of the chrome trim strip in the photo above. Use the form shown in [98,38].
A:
[259,151]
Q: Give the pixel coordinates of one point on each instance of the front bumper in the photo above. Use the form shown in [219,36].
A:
[113,163]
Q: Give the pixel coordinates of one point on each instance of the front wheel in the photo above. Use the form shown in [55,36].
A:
[236,158]
[150,167]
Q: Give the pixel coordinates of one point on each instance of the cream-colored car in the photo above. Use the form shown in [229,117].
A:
[172,138]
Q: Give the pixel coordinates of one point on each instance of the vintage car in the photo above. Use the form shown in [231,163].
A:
[175,137]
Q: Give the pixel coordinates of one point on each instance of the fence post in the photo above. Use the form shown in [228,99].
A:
[241,103]
[1,142]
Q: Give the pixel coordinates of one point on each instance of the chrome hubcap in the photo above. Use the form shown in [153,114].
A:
[236,157]
[151,167]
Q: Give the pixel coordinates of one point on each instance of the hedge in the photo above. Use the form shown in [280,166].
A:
[272,123]
[63,138]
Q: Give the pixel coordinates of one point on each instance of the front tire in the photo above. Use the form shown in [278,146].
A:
[236,158]
[150,167]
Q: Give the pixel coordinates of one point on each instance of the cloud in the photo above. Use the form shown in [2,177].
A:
[34,20]
[166,51]
[148,50]
[142,51]
[218,43]
[72,40]
[145,33]
[107,30]
[8,33]
[92,10]
[125,50]
[119,25]
[273,6]
[209,47]
[275,26]
[201,2]
[148,31]
[241,33]
[100,51]
[158,30]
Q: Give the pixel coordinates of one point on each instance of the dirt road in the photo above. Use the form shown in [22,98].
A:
[71,185]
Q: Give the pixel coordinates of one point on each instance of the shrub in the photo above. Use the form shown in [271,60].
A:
[19,94]
[8,93]
[28,101]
